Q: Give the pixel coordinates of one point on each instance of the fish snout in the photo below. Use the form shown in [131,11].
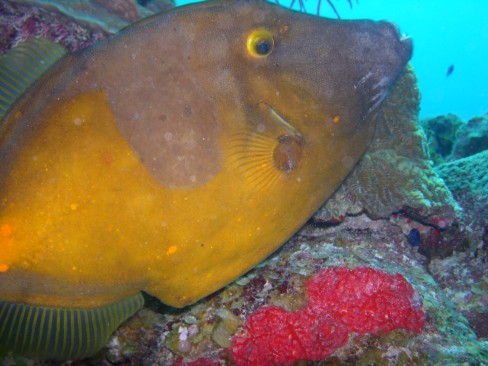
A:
[402,45]
[386,54]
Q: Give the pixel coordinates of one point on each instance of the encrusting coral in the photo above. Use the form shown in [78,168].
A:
[341,301]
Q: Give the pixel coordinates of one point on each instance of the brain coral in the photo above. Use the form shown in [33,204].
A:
[395,173]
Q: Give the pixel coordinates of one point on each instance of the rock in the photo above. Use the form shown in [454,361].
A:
[464,279]
[73,23]
[471,138]
[449,138]
[467,178]
[441,134]
[19,22]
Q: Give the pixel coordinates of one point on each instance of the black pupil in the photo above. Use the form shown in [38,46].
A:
[263,47]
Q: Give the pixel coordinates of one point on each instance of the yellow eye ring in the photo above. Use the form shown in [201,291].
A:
[260,43]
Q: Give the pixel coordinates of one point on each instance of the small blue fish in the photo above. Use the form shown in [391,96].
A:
[450,69]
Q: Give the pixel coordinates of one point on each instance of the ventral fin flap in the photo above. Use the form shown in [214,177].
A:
[23,65]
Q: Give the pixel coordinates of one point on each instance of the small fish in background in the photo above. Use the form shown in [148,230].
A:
[450,70]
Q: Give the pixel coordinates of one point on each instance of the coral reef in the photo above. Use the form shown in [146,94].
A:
[19,22]
[127,10]
[395,213]
[74,24]
[449,138]
[464,276]
[111,16]
[160,335]
[467,178]
[340,301]
[441,134]
[395,174]
[195,333]
[471,138]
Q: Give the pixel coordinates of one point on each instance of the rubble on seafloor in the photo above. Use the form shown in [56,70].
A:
[396,212]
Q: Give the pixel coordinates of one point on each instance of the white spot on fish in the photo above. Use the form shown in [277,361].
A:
[168,136]
[260,127]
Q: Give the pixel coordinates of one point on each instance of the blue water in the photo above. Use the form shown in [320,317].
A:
[445,32]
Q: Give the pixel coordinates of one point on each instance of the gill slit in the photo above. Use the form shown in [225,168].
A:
[282,121]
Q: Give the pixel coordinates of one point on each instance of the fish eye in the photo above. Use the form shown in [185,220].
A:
[260,43]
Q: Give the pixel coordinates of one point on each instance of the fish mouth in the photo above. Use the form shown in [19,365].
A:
[278,118]
[404,44]
[374,85]
[407,48]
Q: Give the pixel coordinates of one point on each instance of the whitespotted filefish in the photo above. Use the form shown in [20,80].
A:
[172,158]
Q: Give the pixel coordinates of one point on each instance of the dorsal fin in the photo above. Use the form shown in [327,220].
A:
[23,65]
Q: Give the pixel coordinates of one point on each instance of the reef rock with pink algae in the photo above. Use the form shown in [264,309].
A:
[109,15]
[19,22]
[340,301]
[395,174]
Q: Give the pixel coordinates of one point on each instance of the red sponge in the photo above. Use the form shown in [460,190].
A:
[341,300]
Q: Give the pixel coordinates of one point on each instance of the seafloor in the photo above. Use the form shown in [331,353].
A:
[416,204]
